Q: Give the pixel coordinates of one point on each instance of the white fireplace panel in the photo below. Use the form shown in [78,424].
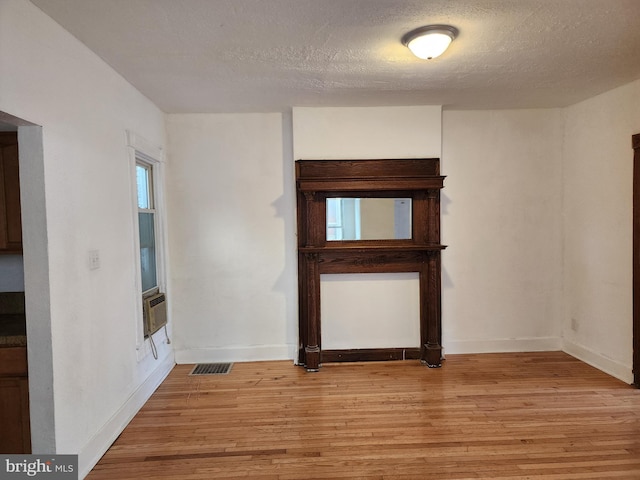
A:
[370,310]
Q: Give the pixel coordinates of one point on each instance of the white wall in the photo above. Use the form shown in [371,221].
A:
[77,197]
[598,189]
[502,221]
[232,214]
[361,133]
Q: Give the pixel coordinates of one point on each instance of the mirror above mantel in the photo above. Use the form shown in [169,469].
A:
[405,239]
[372,218]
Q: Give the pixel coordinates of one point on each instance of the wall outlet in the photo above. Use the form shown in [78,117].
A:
[94,259]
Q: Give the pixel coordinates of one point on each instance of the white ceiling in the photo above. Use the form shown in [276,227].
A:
[268,55]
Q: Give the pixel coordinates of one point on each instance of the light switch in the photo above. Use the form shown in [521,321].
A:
[94,259]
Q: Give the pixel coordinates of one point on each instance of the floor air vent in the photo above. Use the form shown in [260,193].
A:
[211,369]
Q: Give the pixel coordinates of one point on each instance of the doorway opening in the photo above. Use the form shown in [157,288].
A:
[35,269]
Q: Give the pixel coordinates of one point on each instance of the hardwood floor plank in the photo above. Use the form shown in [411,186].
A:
[534,416]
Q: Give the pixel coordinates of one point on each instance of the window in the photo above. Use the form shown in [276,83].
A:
[147,227]
[147,215]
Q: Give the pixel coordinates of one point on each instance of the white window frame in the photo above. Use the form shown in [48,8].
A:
[141,151]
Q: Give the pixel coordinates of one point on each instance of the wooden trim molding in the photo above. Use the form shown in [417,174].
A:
[635,139]
[370,354]
[418,179]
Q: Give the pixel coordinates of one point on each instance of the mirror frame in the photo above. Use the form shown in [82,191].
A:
[416,178]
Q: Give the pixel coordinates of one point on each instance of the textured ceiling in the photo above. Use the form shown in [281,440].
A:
[269,55]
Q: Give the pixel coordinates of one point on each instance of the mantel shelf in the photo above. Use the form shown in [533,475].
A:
[359,247]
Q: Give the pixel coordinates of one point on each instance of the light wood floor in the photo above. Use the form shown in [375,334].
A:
[499,416]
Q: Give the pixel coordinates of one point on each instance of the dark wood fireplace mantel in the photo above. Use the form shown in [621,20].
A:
[417,179]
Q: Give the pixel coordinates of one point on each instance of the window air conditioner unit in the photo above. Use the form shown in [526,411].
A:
[154,309]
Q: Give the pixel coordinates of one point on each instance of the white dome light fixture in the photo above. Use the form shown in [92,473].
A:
[430,41]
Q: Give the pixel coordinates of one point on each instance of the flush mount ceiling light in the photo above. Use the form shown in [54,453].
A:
[430,41]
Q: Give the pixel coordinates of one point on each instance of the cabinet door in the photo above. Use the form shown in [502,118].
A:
[15,436]
[10,220]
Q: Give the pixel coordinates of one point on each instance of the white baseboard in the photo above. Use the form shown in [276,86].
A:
[93,451]
[235,354]
[607,365]
[537,344]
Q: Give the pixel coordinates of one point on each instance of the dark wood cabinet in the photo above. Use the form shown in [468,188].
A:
[15,436]
[10,219]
